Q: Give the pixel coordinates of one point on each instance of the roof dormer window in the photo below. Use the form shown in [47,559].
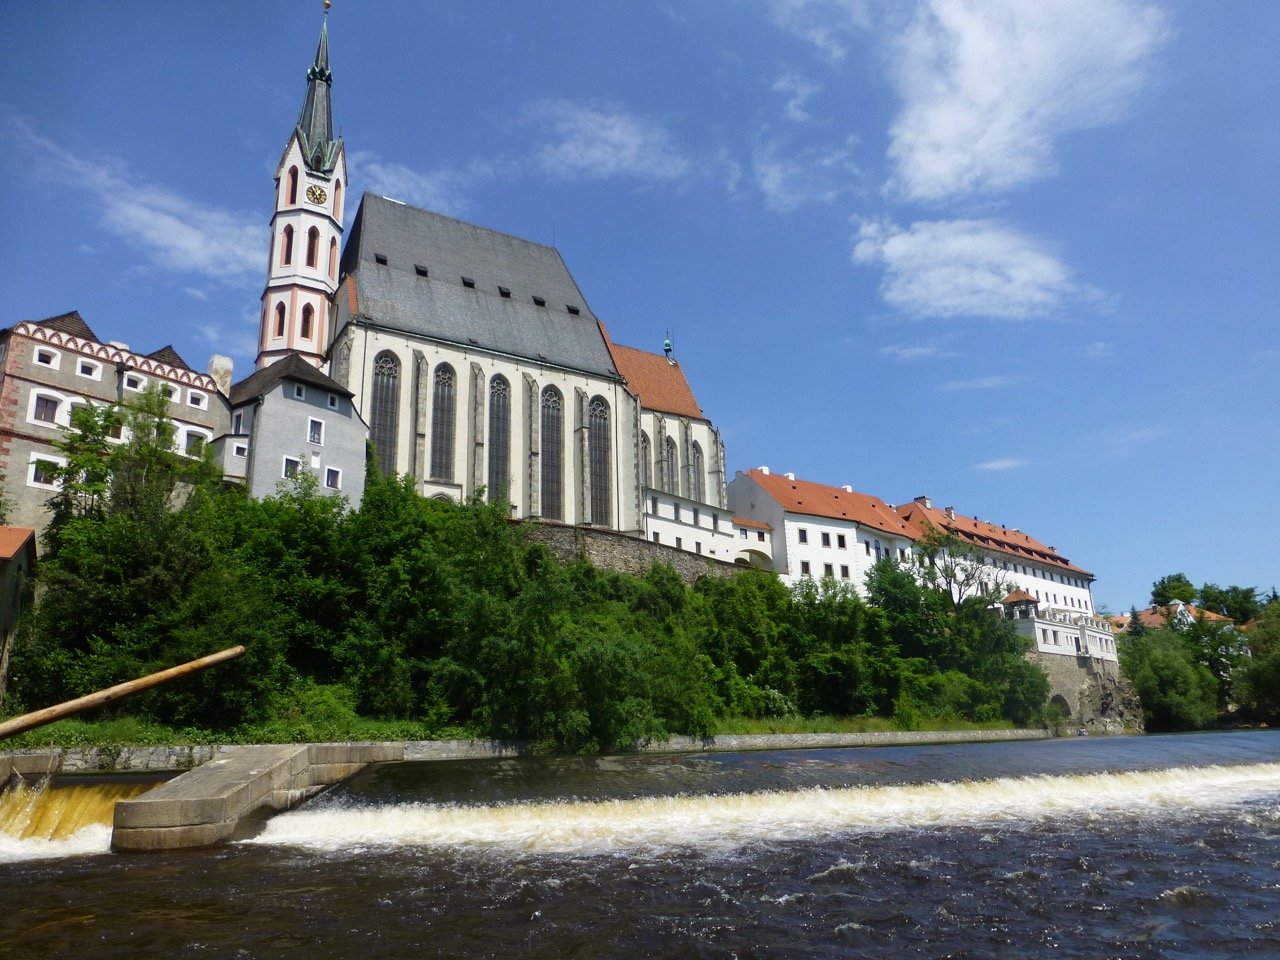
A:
[380,259]
[420,270]
[539,301]
[504,293]
[572,309]
[468,283]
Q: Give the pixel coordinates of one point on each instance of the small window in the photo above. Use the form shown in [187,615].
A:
[299,391]
[291,466]
[315,431]
[844,571]
[333,478]
[240,450]
[804,568]
[867,545]
[420,270]
[44,473]
[657,537]
[237,423]
[194,445]
[760,535]
[333,401]
[380,258]
[840,541]
[539,301]
[90,369]
[572,309]
[468,283]
[804,535]
[742,533]
[47,358]
[653,505]
[504,293]
[679,543]
[45,409]
[697,546]
[197,399]
[828,570]
[696,517]
[826,539]
[169,392]
[715,521]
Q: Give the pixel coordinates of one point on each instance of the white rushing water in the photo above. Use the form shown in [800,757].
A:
[719,822]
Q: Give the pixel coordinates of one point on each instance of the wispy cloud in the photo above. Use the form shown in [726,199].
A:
[980,383]
[825,24]
[601,140]
[793,179]
[176,233]
[1002,463]
[966,268]
[798,90]
[1097,350]
[440,189]
[928,350]
[989,86]
[1128,436]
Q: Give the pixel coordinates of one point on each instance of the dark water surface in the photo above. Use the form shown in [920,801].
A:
[1144,847]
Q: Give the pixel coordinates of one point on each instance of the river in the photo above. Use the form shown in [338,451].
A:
[1127,847]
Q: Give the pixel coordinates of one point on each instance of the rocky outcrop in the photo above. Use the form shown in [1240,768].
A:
[1093,693]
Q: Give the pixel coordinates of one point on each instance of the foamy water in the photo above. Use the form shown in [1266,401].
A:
[663,823]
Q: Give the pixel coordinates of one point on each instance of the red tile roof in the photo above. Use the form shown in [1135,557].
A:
[819,500]
[983,535]
[1019,596]
[1154,618]
[753,524]
[660,385]
[15,539]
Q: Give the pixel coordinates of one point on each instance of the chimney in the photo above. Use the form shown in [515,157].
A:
[789,476]
[924,501]
[764,470]
[951,513]
[220,368]
[847,488]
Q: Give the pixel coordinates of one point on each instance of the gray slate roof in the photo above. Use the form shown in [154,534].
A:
[292,367]
[72,324]
[439,306]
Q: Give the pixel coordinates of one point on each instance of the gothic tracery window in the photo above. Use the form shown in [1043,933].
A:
[645,461]
[308,319]
[384,410]
[279,320]
[598,456]
[670,478]
[552,454]
[286,246]
[313,247]
[698,488]
[499,438]
[443,408]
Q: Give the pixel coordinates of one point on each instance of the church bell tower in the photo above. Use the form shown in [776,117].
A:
[306,228]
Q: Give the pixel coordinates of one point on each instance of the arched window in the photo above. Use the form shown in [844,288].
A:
[645,461]
[286,246]
[877,549]
[308,316]
[333,258]
[313,247]
[598,457]
[499,438]
[291,193]
[442,417]
[384,410]
[552,454]
[670,478]
[337,199]
[279,320]
[697,482]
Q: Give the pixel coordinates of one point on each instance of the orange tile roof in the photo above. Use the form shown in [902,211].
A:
[14,539]
[819,500]
[984,535]
[1019,596]
[749,522]
[659,385]
[1153,618]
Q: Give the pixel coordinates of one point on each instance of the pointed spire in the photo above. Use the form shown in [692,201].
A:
[315,125]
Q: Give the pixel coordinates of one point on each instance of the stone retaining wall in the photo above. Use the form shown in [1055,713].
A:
[1094,692]
[612,550]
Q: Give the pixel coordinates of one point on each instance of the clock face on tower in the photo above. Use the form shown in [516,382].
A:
[316,194]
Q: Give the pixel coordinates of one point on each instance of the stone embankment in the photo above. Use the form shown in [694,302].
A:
[225,791]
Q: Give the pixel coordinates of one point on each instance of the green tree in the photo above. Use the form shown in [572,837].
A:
[1136,627]
[1174,586]
[1241,604]
[1177,691]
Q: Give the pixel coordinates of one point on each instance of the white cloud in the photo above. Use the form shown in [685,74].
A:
[965,268]
[979,383]
[442,189]
[797,90]
[989,86]
[906,352]
[1097,350]
[825,24]
[176,232]
[812,175]
[598,141]
[1001,463]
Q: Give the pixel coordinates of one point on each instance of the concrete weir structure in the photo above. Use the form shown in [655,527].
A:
[237,787]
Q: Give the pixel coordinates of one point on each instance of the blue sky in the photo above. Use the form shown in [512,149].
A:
[1019,256]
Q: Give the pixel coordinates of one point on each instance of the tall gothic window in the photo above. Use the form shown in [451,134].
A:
[499,438]
[279,320]
[552,454]
[286,246]
[646,468]
[333,258]
[292,192]
[670,478]
[308,318]
[313,247]
[337,199]
[698,486]
[384,410]
[443,405]
[598,457]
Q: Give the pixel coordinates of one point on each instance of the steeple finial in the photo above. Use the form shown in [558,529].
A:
[315,125]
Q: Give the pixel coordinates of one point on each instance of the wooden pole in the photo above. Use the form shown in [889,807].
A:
[38,718]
